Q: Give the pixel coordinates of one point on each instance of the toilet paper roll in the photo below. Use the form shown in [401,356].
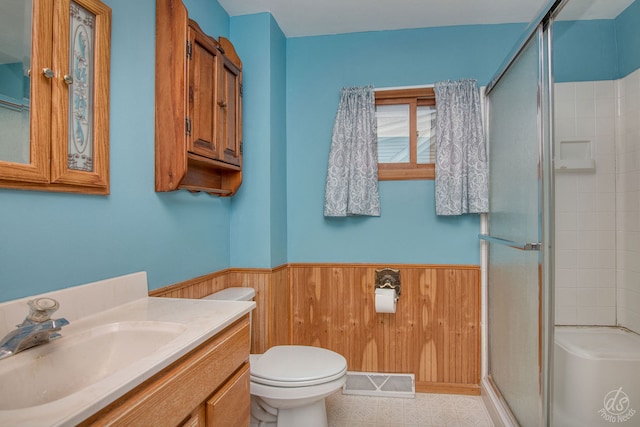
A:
[385,300]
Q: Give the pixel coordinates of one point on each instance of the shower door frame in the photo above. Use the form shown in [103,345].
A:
[539,28]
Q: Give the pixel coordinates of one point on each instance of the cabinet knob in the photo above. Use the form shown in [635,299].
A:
[48,73]
[222,104]
[68,79]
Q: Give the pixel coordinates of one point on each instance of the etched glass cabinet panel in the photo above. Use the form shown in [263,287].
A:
[80,79]
[67,148]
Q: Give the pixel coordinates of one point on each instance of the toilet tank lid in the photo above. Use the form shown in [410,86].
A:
[233,294]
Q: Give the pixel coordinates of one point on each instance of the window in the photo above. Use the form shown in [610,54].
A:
[406,133]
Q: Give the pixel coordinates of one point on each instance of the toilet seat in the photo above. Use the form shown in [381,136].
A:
[297,366]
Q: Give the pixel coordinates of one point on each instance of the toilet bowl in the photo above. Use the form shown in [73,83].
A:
[289,383]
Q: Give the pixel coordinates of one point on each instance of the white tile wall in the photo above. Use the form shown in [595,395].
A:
[598,213]
[586,207]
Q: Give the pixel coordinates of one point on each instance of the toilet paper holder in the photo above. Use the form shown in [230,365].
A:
[388,278]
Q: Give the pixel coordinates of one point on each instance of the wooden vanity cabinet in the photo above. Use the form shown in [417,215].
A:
[198,106]
[208,387]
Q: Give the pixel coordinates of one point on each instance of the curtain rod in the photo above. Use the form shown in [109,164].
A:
[414,87]
[402,87]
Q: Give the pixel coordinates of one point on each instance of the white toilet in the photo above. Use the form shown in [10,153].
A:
[289,383]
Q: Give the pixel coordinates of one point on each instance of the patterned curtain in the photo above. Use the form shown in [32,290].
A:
[462,169]
[352,175]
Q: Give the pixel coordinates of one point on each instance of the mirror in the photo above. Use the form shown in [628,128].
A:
[15,64]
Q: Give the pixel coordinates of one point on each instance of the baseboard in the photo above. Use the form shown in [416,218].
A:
[447,388]
[496,406]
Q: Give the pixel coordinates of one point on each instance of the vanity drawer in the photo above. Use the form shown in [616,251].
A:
[230,406]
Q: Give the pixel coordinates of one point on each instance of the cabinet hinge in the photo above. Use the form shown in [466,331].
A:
[187,126]
[189,49]
[241,148]
[241,90]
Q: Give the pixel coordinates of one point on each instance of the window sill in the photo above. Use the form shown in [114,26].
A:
[409,173]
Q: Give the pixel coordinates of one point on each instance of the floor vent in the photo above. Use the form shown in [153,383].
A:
[380,384]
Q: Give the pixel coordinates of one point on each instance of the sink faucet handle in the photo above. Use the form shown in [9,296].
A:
[40,310]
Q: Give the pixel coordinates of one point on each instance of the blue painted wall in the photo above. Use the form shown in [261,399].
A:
[211,17]
[597,49]
[50,241]
[627,26]
[585,51]
[258,220]
[408,231]
[278,159]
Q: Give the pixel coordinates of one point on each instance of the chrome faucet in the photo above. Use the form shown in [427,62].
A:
[37,328]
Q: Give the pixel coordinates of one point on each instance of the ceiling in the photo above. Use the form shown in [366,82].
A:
[315,17]
[318,17]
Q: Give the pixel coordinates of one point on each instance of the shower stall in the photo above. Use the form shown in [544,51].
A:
[561,244]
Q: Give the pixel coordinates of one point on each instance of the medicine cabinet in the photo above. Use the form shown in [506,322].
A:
[198,108]
[54,95]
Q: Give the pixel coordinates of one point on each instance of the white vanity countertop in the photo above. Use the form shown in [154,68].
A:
[201,320]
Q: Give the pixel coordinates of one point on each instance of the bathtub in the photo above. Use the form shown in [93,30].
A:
[596,377]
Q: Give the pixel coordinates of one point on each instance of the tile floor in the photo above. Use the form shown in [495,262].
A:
[425,410]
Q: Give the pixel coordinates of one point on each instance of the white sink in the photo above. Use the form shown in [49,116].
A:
[70,364]
[118,337]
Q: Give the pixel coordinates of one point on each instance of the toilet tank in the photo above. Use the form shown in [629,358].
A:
[233,294]
[236,294]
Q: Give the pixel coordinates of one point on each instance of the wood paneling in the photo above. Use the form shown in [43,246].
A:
[259,280]
[434,334]
[195,288]
[279,308]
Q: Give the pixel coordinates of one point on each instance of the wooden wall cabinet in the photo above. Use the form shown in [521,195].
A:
[68,143]
[208,387]
[198,106]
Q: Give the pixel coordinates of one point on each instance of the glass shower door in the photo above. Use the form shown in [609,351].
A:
[515,267]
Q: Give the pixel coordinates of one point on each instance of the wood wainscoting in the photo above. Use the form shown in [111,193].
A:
[270,319]
[434,334]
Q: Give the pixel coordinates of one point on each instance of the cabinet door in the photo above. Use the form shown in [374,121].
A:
[66,145]
[230,111]
[202,72]
[230,406]
[80,129]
